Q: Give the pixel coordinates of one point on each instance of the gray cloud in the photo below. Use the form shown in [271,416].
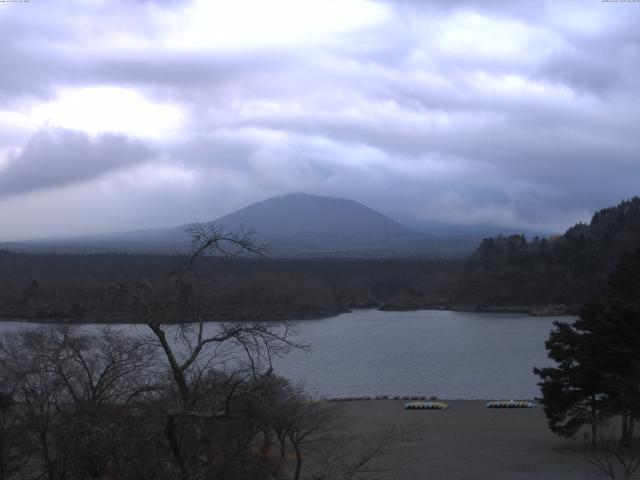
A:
[52,45]
[512,113]
[55,158]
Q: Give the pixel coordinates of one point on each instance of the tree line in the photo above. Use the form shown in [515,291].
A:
[186,401]
[569,269]
[74,287]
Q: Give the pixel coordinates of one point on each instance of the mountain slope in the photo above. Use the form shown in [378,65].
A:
[302,225]
[302,214]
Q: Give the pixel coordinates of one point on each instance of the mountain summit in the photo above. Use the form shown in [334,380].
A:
[303,214]
[302,224]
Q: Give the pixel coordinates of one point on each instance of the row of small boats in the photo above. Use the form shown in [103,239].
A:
[492,404]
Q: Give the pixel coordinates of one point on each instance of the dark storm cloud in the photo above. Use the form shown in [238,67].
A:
[57,158]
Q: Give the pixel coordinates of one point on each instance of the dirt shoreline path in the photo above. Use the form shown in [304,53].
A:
[467,441]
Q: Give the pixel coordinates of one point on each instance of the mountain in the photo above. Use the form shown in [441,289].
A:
[309,225]
[293,225]
[570,269]
[300,214]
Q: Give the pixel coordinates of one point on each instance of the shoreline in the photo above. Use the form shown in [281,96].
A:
[421,398]
[134,321]
[533,311]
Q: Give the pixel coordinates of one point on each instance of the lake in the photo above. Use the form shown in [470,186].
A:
[453,355]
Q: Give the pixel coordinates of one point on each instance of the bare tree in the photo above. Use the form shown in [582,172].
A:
[102,375]
[616,459]
[243,350]
[309,422]
[38,394]
[69,391]
[312,428]
[9,454]
[345,456]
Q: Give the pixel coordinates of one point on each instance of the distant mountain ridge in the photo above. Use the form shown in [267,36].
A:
[293,225]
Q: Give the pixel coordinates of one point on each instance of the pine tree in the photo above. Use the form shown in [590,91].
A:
[574,392]
[598,360]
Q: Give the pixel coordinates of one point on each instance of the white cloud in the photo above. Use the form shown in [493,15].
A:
[473,36]
[100,109]
[241,24]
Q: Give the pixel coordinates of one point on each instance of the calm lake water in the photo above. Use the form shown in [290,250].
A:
[454,355]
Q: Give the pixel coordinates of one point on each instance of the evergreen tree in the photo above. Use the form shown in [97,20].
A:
[568,269]
[598,360]
[620,352]
[574,392]
[624,281]
[622,340]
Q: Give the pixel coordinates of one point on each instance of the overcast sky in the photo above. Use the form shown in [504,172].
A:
[120,115]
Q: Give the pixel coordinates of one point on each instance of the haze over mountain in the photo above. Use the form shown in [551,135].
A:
[299,224]
[302,214]
[293,225]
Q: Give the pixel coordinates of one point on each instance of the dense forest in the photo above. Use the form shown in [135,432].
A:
[543,275]
[569,270]
[81,287]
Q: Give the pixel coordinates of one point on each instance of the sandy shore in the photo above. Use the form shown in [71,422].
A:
[468,441]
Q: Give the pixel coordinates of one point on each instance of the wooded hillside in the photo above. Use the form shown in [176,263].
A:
[570,269]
